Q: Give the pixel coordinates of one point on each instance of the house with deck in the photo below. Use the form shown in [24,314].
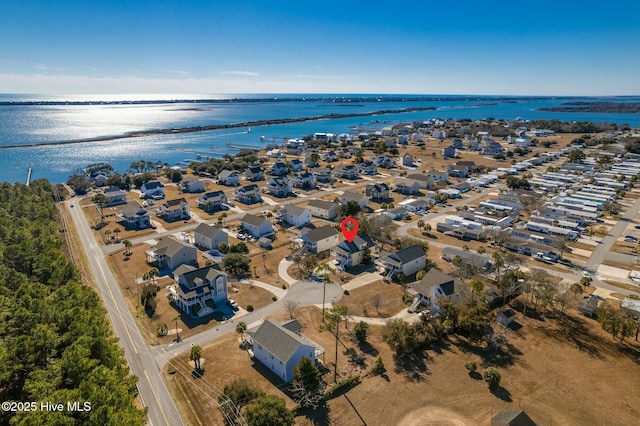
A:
[322,174]
[368,168]
[435,287]
[346,172]
[248,194]
[304,181]
[173,210]
[407,261]
[293,215]
[278,169]
[279,187]
[257,226]
[212,201]
[406,186]
[349,254]
[378,191]
[320,239]
[191,185]
[171,253]
[197,291]
[228,178]
[151,188]
[115,196]
[254,174]
[132,217]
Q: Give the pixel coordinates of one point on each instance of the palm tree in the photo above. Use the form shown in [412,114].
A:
[176,318]
[241,328]
[427,228]
[161,329]
[117,232]
[151,274]
[420,224]
[127,246]
[195,355]
[101,201]
[221,218]
[106,234]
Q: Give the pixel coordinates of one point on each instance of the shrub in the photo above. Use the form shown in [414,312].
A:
[342,386]
[346,292]
[274,298]
[492,377]
[378,368]
[249,308]
[471,366]
[284,286]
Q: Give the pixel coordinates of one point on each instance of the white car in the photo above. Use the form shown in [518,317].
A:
[586,275]
[232,303]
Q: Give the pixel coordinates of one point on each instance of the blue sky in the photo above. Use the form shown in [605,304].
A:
[218,46]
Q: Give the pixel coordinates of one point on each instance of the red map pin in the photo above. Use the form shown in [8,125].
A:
[349,234]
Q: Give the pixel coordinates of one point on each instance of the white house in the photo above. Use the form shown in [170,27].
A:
[278,187]
[278,169]
[172,210]
[377,191]
[197,291]
[436,285]
[152,188]
[296,165]
[449,152]
[406,186]
[171,253]
[229,178]
[407,261]
[294,215]
[320,239]
[399,213]
[322,174]
[191,185]
[368,168]
[209,236]
[437,175]
[361,199]
[254,174]
[346,172]
[115,196]
[407,160]
[134,217]
[280,349]
[304,181]
[257,226]
[425,181]
[248,194]
[323,209]
[349,254]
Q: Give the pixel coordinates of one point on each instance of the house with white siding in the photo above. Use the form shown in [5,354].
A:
[293,215]
[209,236]
[323,209]
[171,253]
[257,226]
[320,239]
[173,210]
[197,291]
[407,261]
[229,178]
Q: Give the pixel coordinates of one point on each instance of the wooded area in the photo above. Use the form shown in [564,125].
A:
[57,346]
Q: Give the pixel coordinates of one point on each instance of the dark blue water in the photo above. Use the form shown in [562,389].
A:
[41,119]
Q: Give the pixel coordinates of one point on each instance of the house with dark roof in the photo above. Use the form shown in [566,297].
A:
[177,209]
[377,191]
[296,165]
[459,170]
[322,174]
[115,196]
[320,239]
[323,209]
[254,174]
[589,305]
[437,176]
[407,261]
[151,188]
[197,291]
[211,201]
[449,152]
[349,254]
[257,226]
[329,156]
[248,194]
[134,217]
[228,178]
[280,349]
[407,159]
[346,172]
[293,215]
[384,161]
[278,169]
[279,187]
[209,236]
[512,417]
[304,181]
[436,286]
[171,253]
[506,316]
[368,168]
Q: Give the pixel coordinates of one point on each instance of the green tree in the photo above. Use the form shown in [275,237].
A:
[127,246]
[576,156]
[241,327]
[307,377]
[360,331]
[117,231]
[269,410]
[400,336]
[378,368]
[349,209]
[236,264]
[235,396]
[223,247]
[100,200]
[195,355]
[162,329]
[492,377]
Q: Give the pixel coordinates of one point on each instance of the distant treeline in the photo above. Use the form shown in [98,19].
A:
[602,107]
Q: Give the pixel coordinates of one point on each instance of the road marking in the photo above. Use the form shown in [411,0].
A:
[157,399]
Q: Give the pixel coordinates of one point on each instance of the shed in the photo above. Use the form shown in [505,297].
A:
[506,316]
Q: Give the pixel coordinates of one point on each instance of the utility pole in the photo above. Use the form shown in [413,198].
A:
[335,370]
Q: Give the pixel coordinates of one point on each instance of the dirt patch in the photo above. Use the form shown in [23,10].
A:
[435,416]
[362,301]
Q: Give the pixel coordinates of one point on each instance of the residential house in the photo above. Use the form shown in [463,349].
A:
[172,210]
[311,158]
[407,261]
[279,187]
[280,349]
[191,185]
[491,147]
[257,226]
[211,201]
[378,191]
[320,239]
[349,254]
[134,217]
[407,160]
[477,261]
[99,180]
[406,186]
[294,215]
[589,305]
[210,236]
[632,306]
[425,181]
[115,196]
[439,134]
[329,156]
[254,174]
[459,171]
[436,286]
[414,205]
[278,169]
[229,178]
[295,146]
[510,416]
[457,143]
[399,213]
[296,165]
[248,194]
[171,253]
[197,291]
[449,152]
[417,137]
[304,181]
[384,161]
[151,188]
[437,176]
[361,199]
[323,209]
[346,172]
[368,168]
[322,174]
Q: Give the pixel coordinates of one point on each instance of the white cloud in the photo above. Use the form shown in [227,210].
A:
[320,76]
[179,72]
[243,73]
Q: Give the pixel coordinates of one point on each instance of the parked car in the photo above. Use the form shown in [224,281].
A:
[630,239]
[637,226]
[232,303]
[586,274]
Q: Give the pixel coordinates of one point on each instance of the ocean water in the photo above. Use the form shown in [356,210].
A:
[26,120]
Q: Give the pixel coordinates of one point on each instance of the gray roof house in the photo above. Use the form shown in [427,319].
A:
[304,181]
[229,178]
[257,226]
[361,199]
[349,254]
[320,239]
[115,196]
[294,215]
[426,182]
[134,217]
[254,174]
[346,172]
[377,191]
[407,261]
[171,253]
[512,417]
[406,186]
[210,236]
[280,349]
[177,209]
[248,194]
[368,168]
[322,174]
[197,291]
[323,209]
[278,169]
[191,185]
[210,201]
[436,285]
[475,260]
[279,187]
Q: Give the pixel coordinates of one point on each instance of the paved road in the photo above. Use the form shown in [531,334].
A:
[141,359]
